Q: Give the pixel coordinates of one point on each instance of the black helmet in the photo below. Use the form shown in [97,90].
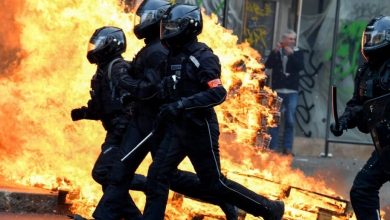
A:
[376,39]
[180,24]
[150,13]
[106,43]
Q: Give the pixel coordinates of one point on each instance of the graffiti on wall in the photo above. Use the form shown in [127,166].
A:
[347,60]
[348,49]
[311,114]
[259,28]
[349,39]
[307,82]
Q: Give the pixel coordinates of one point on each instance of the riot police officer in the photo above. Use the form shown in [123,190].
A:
[105,48]
[189,121]
[145,89]
[368,110]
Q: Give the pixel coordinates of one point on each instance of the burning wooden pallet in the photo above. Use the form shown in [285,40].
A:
[300,203]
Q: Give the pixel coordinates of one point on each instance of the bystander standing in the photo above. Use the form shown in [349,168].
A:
[285,61]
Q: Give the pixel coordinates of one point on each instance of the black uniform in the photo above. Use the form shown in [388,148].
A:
[145,88]
[191,129]
[368,109]
[365,190]
[105,106]
[104,49]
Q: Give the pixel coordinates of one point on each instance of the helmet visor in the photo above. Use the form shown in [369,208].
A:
[171,28]
[96,43]
[374,38]
[147,17]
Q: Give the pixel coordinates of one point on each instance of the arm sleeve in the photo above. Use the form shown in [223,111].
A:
[118,71]
[271,60]
[209,70]
[140,88]
[353,107]
[297,60]
[91,113]
[92,110]
[148,86]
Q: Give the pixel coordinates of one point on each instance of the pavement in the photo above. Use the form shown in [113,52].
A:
[339,170]
[25,216]
[338,174]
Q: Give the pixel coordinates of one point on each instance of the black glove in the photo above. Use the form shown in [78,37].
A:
[168,85]
[338,130]
[170,111]
[78,113]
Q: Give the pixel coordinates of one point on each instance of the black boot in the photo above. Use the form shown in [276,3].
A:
[231,212]
[277,211]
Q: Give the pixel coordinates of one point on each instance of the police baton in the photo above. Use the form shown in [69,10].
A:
[336,132]
[156,126]
[138,145]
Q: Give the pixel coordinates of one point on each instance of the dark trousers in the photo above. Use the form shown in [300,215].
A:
[116,193]
[289,106]
[102,171]
[365,189]
[183,182]
[200,144]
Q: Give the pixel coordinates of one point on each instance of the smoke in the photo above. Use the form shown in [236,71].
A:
[10,51]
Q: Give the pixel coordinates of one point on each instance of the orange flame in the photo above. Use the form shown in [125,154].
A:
[49,75]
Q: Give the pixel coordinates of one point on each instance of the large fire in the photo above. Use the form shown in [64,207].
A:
[47,74]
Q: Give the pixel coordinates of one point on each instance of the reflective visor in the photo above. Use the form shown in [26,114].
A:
[171,28]
[148,16]
[374,38]
[96,43]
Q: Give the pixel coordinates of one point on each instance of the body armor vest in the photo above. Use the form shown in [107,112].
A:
[185,66]
[374,84]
